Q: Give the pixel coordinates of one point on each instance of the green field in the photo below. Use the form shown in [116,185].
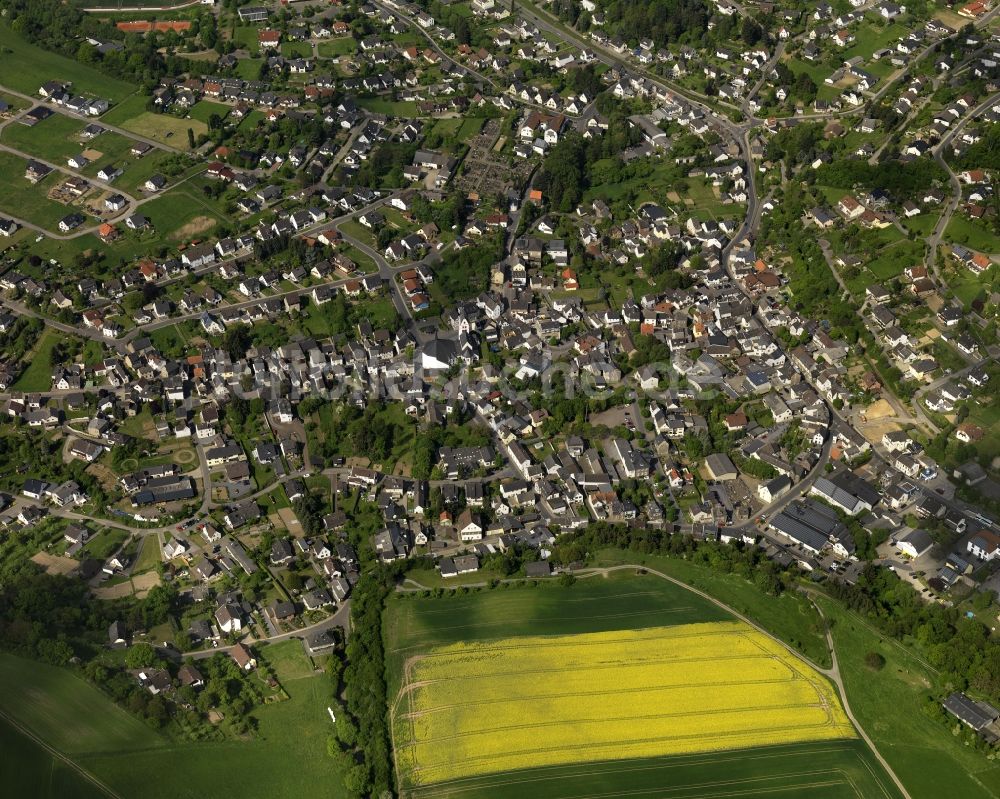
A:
[286,759]
[789,616]
[593,605]
[921,225]
[15,103]
[26,201]
[56,139]
[53,139]
[164,128]
[893,259]
[138,171]
[203,111]
[705,204]
[888,704]
[249,69]
[458,128]
[28,770]
[115,148]
[651,180]
[972,233]
[24,67]
[149,555]
[621,601]
[37,375]
[869,37]
[822,770]
[66,712]
[183,214]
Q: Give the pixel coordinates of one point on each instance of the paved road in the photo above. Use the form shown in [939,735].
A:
[934,240]
[342,619]
[63,169]
[834,674]
[127,133]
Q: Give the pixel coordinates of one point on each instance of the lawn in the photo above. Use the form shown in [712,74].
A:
[888,704]
[103,545]
[246,37]
[649,180]
[15,103]
[358,231]
[534,622]
[24,67]
[705,202]
[114,147]
[251,121]
[149,555]
[985,414]
[893,259]
[921,225]
[869,37]
[203,111]
[164,128]
[445,127]
[334,48]
[393,108]
[288,661]
[26,201]
[968,287]
[168,339]
[37,376]
[471,126]
[249,69]
[296,49]
[458,128]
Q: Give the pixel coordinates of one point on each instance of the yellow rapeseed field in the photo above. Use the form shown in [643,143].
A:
[469,709]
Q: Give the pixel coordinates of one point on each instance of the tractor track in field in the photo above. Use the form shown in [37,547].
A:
[405,692]
[92,779]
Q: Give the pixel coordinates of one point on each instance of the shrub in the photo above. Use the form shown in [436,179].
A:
[874,661]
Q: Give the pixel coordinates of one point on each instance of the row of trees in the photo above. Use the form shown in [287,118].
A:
[365,685]
[747,562]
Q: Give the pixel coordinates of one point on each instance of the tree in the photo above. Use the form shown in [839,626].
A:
[347,732]
[356,781]
[141,655]
[236,341]
[190,138]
